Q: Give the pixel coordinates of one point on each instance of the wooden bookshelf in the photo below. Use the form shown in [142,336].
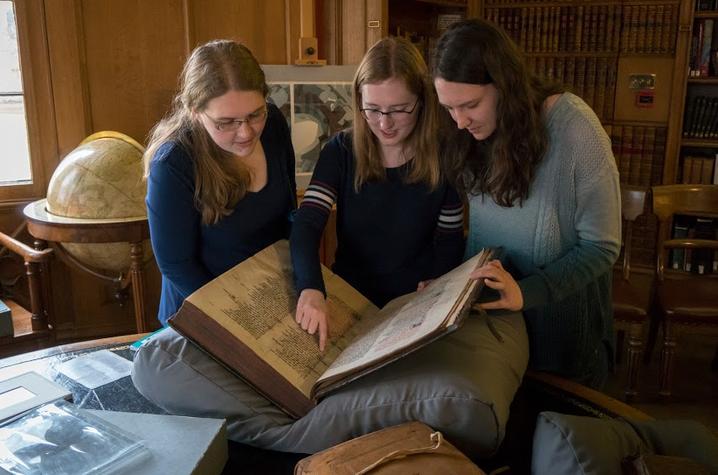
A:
[694,121]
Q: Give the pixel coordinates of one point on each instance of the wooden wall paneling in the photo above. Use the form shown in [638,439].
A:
[292,29]
[376,11]
[354,31]
[189,33]
[69,74]
[259,25]
[11,215]
[135,50]
[329,30]
[95,312]
[625,108]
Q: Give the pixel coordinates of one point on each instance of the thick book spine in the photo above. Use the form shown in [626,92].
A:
[634,176]
[647,156]
[705,55]
[627,142]
[616,142]
[232,353]
[659,155]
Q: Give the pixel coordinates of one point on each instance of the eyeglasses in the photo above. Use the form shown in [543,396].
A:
[375,115]
[255,118]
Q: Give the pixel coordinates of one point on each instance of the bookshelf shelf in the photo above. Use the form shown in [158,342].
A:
[554,4]
[445,3]
[699,143]
[710,14]
[709,80]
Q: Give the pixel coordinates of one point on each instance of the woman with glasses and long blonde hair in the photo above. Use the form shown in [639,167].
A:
[220,172]
[398,222]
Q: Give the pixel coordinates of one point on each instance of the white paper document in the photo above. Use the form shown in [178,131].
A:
[96,369]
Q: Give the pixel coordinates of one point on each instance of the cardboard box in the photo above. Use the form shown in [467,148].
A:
[6,328]
[179,444]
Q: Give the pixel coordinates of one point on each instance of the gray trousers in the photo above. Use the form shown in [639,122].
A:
[461,384]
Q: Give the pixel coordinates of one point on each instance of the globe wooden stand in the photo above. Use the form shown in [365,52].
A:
[45,227]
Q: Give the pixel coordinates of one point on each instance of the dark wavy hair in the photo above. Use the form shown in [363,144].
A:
[502,166]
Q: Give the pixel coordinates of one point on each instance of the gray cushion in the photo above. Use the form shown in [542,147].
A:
[565,444]
[461,384]
[681,438]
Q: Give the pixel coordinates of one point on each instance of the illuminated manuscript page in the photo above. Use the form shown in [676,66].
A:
[256,301]
[407,320]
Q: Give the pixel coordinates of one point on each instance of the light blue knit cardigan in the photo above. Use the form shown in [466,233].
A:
[563,243]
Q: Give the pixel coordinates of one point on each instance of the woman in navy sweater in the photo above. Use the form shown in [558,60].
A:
[398,222]
[220,171]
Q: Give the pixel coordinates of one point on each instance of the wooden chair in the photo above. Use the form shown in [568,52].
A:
[39,332]
[632,292]
[684,299]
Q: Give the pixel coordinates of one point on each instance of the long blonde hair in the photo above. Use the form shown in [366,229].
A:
[212,70]
[397,58]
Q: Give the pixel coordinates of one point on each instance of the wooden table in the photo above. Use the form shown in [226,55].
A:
[46,227]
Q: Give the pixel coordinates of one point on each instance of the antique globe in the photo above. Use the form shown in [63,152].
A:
[101,179]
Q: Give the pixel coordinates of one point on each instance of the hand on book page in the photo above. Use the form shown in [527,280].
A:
[312,314]
[499,279]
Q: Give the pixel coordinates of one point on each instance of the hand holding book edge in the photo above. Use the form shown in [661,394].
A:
[497,278]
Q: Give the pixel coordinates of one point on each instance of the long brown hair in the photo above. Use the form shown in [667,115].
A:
[212,70]
[397,58]
[477,52]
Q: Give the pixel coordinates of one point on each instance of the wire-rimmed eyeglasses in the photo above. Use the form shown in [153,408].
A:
[231,125]
[375,115]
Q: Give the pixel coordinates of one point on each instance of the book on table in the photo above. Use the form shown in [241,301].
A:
[244,319]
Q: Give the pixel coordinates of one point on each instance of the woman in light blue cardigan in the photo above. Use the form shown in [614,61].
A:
[541,182]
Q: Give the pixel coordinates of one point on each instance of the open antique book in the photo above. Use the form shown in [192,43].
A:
[245,319]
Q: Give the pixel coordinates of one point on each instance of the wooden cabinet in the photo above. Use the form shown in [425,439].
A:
[363,22]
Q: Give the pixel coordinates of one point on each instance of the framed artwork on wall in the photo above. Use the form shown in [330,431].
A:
[317,103]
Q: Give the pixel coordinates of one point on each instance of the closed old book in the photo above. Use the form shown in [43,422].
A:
[407,448]
[245,320]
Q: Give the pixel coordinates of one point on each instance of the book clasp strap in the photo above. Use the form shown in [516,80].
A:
[436,437]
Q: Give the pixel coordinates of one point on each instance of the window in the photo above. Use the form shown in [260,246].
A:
[15,165]
[28,129]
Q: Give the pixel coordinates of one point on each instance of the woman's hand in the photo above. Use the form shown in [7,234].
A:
[423,284]
[312,314]
[497,278]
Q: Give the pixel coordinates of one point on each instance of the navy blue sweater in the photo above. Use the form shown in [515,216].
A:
[390,235]
[190,254]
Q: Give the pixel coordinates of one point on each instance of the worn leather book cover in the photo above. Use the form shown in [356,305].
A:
[245,320]
[407,448]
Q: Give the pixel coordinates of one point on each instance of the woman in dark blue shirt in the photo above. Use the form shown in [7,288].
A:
[220,171]
[399,222]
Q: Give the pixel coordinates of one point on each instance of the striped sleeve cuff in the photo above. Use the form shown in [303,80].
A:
[451,218]
[319,195]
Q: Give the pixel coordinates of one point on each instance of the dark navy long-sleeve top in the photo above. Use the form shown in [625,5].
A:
[391,234]
[190,254]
